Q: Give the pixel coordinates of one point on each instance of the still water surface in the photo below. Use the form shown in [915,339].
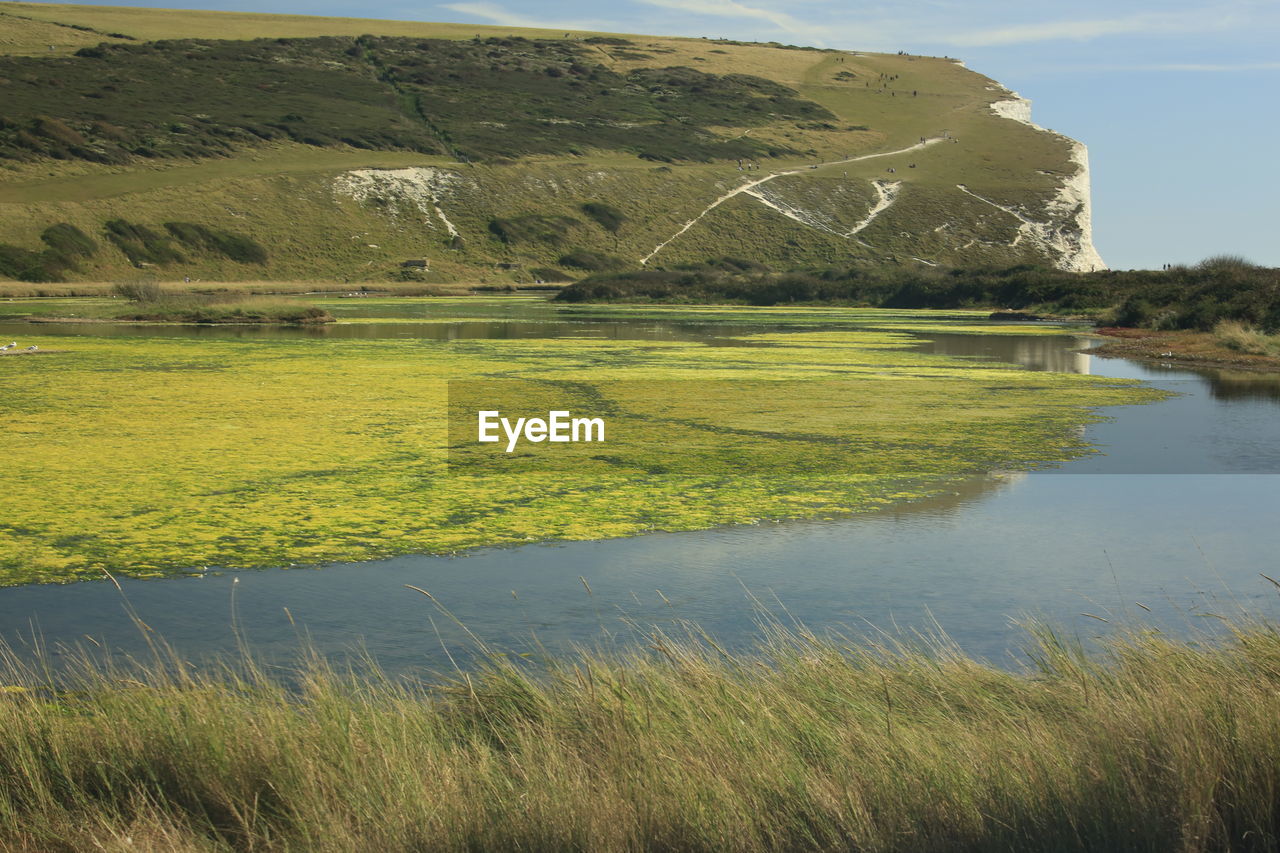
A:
[1177,513]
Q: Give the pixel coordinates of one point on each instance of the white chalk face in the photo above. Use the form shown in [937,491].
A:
[1070,235]
[419,187]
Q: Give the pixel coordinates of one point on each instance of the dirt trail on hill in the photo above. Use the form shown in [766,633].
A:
[750,185]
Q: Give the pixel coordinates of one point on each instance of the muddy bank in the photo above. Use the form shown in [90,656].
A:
[1201,349]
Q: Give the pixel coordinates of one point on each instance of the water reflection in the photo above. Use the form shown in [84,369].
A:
[1052,353]
[1228,385]
[1052,547]
[1071,355]
[444,330]
[1188,544]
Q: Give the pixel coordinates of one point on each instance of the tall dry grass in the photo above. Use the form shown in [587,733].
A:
[808,744]
[1243,338]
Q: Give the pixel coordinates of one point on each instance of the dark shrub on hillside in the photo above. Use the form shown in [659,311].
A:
[66,245]
[199,98]
[728,263]
[532,228]
[639,286]
[234,246]
[1227,265]
[69,241]
[478,100]
[25,265]
[57,130]
[1181,298]
[791,287]
[550,274]
[140,244]
[606,215]
[591,261]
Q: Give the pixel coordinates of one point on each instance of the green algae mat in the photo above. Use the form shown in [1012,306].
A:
[160,455]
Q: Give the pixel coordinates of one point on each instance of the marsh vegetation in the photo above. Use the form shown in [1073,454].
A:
[299,450]
[230,451]
[149,301]
[809,742]
[1247,339]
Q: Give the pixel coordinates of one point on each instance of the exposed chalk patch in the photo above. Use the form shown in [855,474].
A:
[1074,203]
[751,185]
[422,187]
[453,232]
[1059,238]
[804,217]
[1072,233]
[1016,108]
[887,193]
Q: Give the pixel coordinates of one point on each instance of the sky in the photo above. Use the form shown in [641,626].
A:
[1178,101]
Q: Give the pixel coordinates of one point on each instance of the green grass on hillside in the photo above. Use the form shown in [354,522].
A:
[23,35]
[114,103]
[148,24]
[475,99]
[668,99]
[1154,744]
[67,248]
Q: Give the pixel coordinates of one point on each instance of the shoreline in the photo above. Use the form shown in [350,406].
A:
[1183,348]
[98,321]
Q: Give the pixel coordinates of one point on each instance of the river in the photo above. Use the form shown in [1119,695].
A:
[1171,524]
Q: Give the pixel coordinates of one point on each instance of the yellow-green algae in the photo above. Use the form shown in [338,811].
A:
[148,456]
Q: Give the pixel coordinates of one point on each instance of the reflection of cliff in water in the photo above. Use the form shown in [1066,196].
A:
[1242,385]
[1063,354]
[956,497]
[950,500]
[1053,353]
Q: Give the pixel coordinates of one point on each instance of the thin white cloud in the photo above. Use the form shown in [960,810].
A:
[1050,31]
[1183,67]
[1152,23]
[505,17]
[876,26]
[866,31]
[737,11]
[1191,66]
[775,22]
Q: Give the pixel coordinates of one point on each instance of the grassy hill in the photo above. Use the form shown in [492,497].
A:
[343,148]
